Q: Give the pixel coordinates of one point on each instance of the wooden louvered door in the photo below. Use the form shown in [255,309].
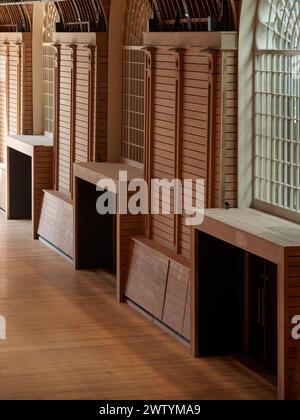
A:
[64,123]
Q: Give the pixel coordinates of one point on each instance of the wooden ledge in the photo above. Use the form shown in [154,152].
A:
[253,231]
[59,195]
[93,172]
[162,250]
[67,38]
[200,40]
[26,144]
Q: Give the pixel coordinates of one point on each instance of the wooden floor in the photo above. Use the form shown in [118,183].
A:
[67,338]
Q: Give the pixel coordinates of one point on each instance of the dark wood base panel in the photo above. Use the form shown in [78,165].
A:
[159,283]
[56,222]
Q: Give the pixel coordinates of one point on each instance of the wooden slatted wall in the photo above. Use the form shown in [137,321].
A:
[191,133]
[27,92]
[2,103]
[181,133]
[195,129]
[64,149]
[101,94]
[14,120]
[226,138]
[81,104]
[163,137]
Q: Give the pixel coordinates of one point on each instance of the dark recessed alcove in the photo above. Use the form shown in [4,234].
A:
[20,185]
[96,234]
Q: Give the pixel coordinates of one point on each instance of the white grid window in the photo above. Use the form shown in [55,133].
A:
[50,18]
[133,104]
[277,105]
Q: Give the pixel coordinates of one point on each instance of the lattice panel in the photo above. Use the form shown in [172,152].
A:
[133,104]
[50,18]
[278,27]
[277,130]
[277,104]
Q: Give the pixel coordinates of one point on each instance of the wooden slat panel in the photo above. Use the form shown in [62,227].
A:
[147,278]
[56,222]
[176,298]
[64,149]
[159,284]
[163,127]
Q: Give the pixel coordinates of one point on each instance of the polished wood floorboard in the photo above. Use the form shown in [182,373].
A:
[67,338]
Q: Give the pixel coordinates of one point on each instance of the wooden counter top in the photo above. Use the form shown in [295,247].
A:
[93,172]
[259,224]
[252,230]
[26,144]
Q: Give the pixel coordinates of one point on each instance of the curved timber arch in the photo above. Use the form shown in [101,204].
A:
[192,15]
[176,15]
[82,16]
[14,18]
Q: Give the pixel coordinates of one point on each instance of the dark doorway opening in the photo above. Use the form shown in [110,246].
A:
[236,303]
[20,185]
[96,234]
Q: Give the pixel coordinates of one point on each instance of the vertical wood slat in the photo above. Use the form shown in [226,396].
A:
[73,111]
[20,98]
[3,106]
[211,132]
[7,88]
[149,56]
[91,103]
[178,145]
[64,120]
[57,63]
[81,104]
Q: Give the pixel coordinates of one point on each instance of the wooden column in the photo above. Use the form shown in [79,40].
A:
[178,122]
[73,111]
[57,60]
[91,118]
[149,57]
